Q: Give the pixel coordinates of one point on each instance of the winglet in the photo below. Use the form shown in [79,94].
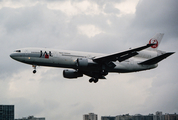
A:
[151,44]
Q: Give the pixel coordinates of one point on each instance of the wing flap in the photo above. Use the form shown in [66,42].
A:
[121,56]
[157,59]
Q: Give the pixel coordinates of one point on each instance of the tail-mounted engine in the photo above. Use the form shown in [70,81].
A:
[71,74]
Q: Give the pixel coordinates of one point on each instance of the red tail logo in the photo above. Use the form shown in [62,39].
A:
[153,41]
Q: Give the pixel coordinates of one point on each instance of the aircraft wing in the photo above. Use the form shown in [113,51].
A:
[121,56]
[157,59]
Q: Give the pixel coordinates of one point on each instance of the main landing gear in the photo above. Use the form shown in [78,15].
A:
[95,80]
[34,67]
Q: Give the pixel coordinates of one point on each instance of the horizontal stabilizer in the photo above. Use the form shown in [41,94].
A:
[157,59]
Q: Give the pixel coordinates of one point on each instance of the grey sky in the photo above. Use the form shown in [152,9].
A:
[93,26]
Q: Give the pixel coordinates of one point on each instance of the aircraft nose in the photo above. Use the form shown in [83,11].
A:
[13,55]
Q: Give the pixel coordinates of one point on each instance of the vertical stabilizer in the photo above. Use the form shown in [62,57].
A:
[156,39]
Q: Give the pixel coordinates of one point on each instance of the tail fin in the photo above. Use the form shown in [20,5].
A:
[156,40]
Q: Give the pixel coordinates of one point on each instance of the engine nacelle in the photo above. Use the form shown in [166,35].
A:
[84,62]
[71,74]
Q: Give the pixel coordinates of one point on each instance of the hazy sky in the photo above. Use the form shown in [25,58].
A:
[104,26]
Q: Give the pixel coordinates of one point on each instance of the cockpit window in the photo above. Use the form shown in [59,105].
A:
[17,50]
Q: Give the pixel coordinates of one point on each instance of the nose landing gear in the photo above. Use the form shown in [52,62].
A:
[34,71]
[34,67]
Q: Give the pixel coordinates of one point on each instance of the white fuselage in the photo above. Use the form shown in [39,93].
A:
[67,59]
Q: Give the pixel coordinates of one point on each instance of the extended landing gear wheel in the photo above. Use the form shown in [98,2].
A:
[95,80]
[34,71]
[34,67]
[91,80]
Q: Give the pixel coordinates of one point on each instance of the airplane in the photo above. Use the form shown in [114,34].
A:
[95,65]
